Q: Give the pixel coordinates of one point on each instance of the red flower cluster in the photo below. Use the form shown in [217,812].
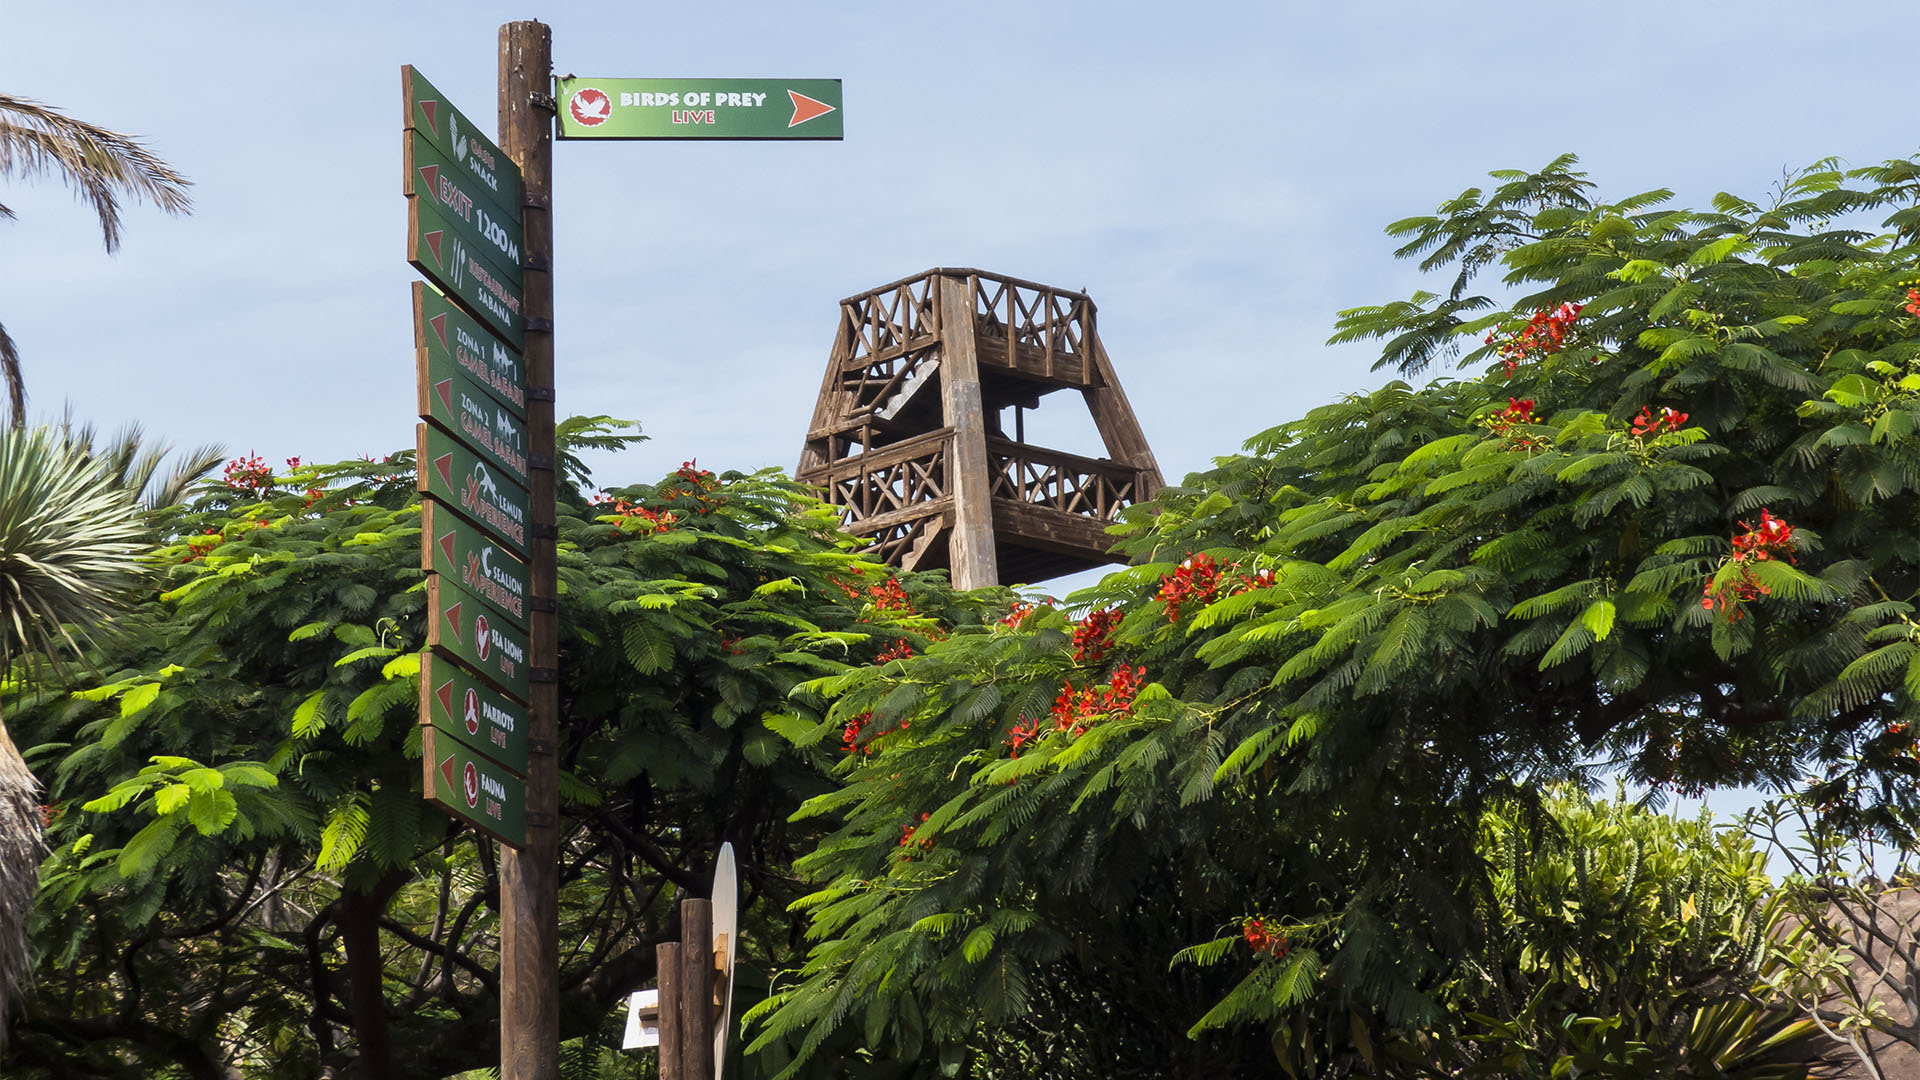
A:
[1758,545]
[1196,579]
[850,735]
[1074,709]
[731,644]
[1259,579]
[1913,301]
[1093,635]
[1518,411]
[248,474]
[199,546]
[1773,536]
[649,521]
[899,650]
[1544,334]
[1263,939]
[698,482]
[910,844]
[890,597]
[1022,734]
[1649,424]
[1016,615]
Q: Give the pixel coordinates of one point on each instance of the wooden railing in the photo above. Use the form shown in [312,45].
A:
[1068,482]
[891,483]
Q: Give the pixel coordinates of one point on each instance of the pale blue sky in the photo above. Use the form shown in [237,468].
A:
[1216,175]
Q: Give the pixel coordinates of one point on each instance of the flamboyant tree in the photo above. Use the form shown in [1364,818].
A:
[1663,525]
[243,876]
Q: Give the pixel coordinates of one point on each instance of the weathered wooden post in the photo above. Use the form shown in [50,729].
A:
[529,875]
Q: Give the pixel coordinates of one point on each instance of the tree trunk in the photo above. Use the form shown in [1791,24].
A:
[359,920]
[20,847]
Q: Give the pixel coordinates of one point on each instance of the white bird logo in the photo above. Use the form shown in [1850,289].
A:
[459,140]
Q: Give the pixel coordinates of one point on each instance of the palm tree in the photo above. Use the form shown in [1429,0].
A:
[101,166]
[70,546]
[69,535]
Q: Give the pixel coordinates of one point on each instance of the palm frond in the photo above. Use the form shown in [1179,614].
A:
[101,166]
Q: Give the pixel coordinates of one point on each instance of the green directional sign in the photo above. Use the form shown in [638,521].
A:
[461,626]
[489,228]
[460,478]
[474,713]
[699,108]
[458,405]
[473,788]
[447,340]
[456,550]
[460,140]
[440,250]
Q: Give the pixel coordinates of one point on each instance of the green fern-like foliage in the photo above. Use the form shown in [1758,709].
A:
[1430,601]
[238,833]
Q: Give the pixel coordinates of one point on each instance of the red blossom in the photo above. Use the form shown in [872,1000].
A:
[1757,544]
[1016,615]
[912,846]
[1074,710]
[1196,579]
[248,474]
[899,650]
[1262,938]
[1518,411]
[891,597]
[1544,334]
[1023,734]
[1913,301]
[1093,635]
[1647,423]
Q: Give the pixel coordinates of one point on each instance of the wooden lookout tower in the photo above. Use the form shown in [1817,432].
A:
[908,438]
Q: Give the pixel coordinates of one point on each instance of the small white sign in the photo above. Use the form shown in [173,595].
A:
[643,1020]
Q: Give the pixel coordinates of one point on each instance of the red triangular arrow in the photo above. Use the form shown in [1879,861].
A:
[446,545]
[432,175]
[446,770]
[445,389]
[439,324]
[444,466]
[433,241]
[445,694]
[429,107]
[805,108]
[453,619]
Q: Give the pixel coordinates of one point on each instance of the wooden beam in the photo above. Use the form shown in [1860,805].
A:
[970,548]
[1119,428]
[881,522]
[1048,529]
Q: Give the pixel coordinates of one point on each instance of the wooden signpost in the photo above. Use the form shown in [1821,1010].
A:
[480,229]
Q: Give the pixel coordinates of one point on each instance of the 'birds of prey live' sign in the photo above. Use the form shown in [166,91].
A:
[698,108]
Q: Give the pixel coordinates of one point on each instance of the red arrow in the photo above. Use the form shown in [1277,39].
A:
[432,174]
[445,694]
[445,389]
[453,619]
[433,241]
[439,324]
[805,108]
[429,107]
[446,545]
[446,770]
[444,466]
